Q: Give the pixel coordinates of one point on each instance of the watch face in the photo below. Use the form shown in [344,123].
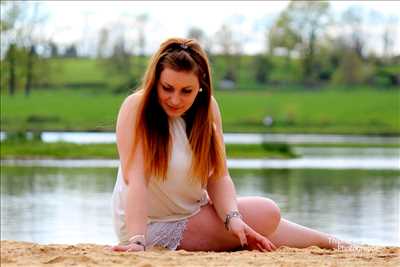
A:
[229,216]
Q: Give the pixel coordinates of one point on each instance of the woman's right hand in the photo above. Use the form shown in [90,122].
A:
[249,237]
[128,248]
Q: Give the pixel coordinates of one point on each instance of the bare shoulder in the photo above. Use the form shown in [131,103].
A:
[213,101]
[130,105]
[132,101]
[215,109]
[128,111]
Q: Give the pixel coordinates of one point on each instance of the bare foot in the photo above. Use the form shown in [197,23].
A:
[335,243]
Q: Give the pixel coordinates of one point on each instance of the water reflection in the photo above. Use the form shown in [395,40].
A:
[50,205]
[349,152]
[60,205]
[358,205]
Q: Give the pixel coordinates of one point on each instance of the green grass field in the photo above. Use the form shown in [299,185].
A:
[367,111]
[328,111]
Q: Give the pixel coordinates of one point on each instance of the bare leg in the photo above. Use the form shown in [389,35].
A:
[206,232]
[293,235]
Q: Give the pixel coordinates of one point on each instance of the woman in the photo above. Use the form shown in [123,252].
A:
[173,187]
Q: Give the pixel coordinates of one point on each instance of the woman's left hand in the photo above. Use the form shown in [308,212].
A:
[125,248]
[248,237]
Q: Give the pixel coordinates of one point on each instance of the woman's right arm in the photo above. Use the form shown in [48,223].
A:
[132,169]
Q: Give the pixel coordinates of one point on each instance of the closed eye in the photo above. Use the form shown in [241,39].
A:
[168,89]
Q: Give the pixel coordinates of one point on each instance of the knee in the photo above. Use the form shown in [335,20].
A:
[271,212]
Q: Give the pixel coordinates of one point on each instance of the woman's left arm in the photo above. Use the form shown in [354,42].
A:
[223,196]
[222,190]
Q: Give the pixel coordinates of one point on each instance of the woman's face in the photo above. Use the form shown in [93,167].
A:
[177,91]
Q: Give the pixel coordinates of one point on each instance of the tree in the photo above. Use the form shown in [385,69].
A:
[120,56]
[351,70]
[71,51]
[103,42]
[262,66]
[353,27]
[281,35]
[32,40]
[140,64]
[10,14]
[120,65]
[20,37]
[32,57]
[53,49]
[141,21]
[200,36]
[230,49]
[308,19]
[389,37]
[11,60]
[196,33]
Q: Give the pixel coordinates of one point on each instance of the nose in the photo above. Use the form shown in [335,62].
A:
[175,99]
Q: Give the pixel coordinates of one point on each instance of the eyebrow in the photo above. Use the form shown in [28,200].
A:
[186,87]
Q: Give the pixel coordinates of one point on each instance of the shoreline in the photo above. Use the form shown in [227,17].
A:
[332,163]
[16,149]
[15,253]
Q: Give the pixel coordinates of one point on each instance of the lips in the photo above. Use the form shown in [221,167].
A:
[173,108]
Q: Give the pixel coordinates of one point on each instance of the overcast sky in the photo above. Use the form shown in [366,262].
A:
[72,21]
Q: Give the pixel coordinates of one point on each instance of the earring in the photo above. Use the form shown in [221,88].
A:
[201,90]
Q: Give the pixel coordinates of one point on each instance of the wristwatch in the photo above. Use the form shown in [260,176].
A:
[138,240]
[231,215]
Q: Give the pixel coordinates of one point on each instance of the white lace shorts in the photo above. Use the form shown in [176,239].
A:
[165,234]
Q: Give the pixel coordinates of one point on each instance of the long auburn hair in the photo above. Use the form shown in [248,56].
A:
[152,126]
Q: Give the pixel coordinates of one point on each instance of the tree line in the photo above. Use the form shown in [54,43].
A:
[300,43]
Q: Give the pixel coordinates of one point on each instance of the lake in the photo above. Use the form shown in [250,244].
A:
[353,193]
[229,138]
[73,205]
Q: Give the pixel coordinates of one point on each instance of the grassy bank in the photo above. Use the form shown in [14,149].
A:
[36,149]
[328,111]
[368,111]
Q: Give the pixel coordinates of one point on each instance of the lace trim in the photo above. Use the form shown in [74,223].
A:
[166,234]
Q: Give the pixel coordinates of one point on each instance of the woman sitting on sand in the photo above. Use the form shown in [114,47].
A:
[173,187]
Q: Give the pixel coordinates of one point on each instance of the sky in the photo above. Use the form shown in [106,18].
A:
[80,21]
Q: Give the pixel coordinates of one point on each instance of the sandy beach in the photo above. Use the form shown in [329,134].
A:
[30,254]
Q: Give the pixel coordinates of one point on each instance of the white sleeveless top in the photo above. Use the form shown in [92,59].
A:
[178,197]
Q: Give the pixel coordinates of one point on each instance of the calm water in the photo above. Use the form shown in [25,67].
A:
[73,205]
[309,158]
[229,138]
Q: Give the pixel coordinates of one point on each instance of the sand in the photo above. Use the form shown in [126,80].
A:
[30,254]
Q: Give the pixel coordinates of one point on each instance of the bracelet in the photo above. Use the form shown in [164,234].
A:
[138,240]
[231,215]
